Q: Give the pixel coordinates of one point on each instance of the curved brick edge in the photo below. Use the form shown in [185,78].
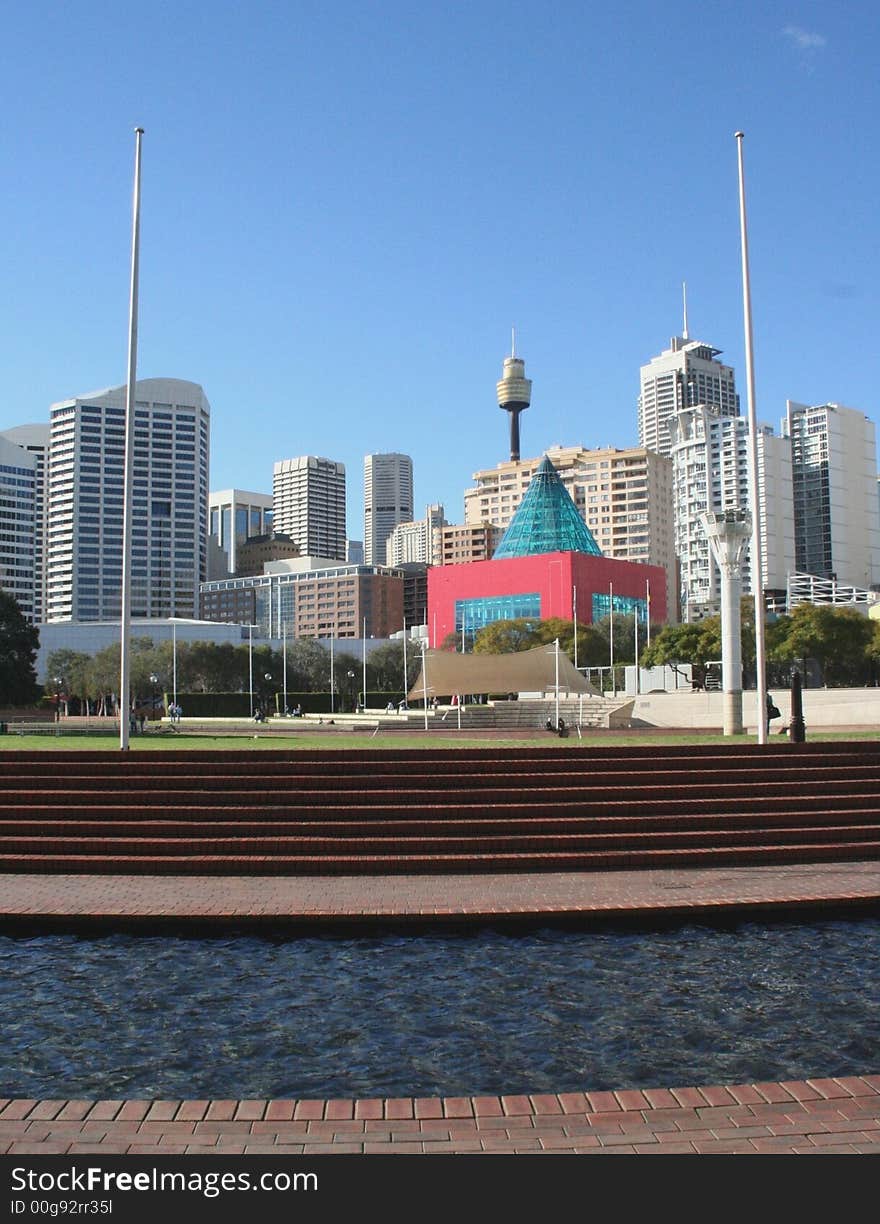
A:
[840,1115]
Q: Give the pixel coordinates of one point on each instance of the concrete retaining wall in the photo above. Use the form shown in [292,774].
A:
[825,708]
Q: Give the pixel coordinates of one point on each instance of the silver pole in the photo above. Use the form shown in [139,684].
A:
[332,679]
[425,682]
[611,634]
[284,661]
[557,684]
[575,593]
[648,608]
[251,668]
[755,550]
[405,680]
[128,474]
[174,661]
[636,642]
[365,666]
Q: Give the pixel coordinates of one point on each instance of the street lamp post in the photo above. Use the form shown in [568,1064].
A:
[58,681]
[154,680]
[267,676]
[351,678]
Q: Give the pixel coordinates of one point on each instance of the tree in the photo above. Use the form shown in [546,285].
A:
[839,639]
[18,651]
[73,669]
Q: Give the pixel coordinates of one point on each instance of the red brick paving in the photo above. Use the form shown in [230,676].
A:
[822,1115]
[642,1123]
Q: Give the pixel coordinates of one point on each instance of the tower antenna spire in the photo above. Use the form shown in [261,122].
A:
[684,302]
[513,341]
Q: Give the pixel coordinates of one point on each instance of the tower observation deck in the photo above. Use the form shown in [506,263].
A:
[514,396]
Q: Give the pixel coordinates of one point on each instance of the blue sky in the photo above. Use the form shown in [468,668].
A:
[346,207]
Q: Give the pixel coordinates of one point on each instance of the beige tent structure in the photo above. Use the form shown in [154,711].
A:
[525,671]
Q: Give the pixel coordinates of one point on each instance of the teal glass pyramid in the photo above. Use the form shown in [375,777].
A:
[547,521]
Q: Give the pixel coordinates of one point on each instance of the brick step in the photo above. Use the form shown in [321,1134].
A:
[539,807]
[296,798]
[436,864]
[790,772]
[202,825]
[635,753]
[351,847]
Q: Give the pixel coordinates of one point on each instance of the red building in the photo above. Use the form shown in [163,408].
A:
[547,584]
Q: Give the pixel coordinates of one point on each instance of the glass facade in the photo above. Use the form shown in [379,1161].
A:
[471,615]
[624,604]
[546,521]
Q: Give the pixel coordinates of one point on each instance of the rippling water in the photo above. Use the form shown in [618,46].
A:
[403,1015]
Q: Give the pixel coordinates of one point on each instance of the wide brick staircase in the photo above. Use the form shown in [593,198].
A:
[397,810]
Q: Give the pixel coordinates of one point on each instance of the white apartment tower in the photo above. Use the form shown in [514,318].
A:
[416,542]
[309,504]
[388,500]
[834,465]
[35,440]
[710,465]
[169,503]
[17,524]
[683,376]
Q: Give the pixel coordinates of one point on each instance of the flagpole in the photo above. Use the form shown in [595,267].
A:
[364,705]
[284,658]
[755,548]
[332,679]
[611,635]
[425,682]
[405,678]
[128,474]
[575,601]
[648,608]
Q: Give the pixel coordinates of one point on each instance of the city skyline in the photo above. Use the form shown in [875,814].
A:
[340,271]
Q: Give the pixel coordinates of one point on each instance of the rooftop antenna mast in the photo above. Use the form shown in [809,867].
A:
[684,301]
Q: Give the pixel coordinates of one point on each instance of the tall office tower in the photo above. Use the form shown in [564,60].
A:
[309,496]
[169,503]
[18,478]
[35,440]
[683,376]
[834,463]
[624,497]
[354,552]
[388,500]
[234,516]
[514,396]
[412,542]
[710,466]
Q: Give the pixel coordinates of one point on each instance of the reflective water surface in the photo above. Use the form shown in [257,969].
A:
[417,1014]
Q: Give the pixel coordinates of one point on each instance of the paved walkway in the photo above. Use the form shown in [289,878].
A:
[245,900]
[820,1115]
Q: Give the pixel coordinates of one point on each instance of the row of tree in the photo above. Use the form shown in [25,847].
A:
[205,667]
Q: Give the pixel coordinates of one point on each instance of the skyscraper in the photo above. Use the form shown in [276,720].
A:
[17,524]
[416,542]
[682,376]
[836,515]
[169,503]
[35,440]
[710,471]
[388,500]
[309,504]
[235,516]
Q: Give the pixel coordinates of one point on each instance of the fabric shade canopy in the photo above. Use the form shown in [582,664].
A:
[526,671]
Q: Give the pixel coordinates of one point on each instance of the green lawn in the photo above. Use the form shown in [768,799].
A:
[412,739]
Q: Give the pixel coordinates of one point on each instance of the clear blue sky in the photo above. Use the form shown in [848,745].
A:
[346,206]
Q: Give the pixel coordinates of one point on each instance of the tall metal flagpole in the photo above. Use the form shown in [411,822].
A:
[284,662]
[756,565]
[332,679]
[365,666]
[611,635]
[425,682]
[405,680]
[174,662]
[128,474]
[575,611]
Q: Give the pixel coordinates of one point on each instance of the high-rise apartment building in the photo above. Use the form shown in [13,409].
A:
[836,516]
[35,440]
[17,524]
[234,516]
[682,376]
[624,497]
[710,463]
[416,542]
[169,503]
[309,504]
[388,500]
[460,543]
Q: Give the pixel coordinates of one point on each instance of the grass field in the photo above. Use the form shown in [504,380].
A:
[413,740]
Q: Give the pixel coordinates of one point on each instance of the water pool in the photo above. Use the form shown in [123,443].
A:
[436,1014]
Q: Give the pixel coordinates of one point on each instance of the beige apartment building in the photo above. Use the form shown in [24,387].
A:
[462,542]
[624,497]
